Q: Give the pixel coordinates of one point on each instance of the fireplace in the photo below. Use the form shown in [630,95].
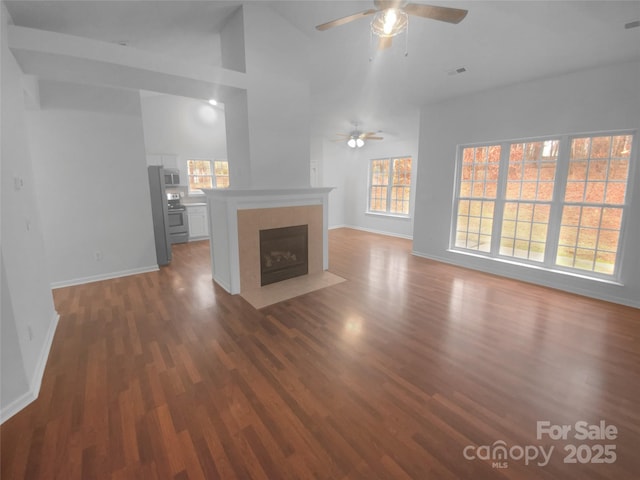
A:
[283,253]
[240,213]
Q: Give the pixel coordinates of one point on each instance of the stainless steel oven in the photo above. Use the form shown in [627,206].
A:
[178,220]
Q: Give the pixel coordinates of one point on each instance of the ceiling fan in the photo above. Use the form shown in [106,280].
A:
[391,17]
[356,138]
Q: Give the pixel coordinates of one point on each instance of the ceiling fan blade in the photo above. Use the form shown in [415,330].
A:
[444,14]
[384,42]
[374,138]
[341,21]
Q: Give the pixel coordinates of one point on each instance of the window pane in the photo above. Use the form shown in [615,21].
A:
[618,169]
[474,225]
[590,231]
[580,148]
[197,182]
[401,184]
[199,167]
[393,176]
[222,182]
[589,214]
[199,174]
[530,184]
[621,146]
[400,200]
[207,174]
[478,181]
[378,199]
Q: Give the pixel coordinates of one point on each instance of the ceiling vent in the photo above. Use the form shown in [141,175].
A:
[456,71]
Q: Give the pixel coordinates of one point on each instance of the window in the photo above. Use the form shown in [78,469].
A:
[594,203]
[556,203]
[530,182]
[477,194]
[390,186]
[207,174]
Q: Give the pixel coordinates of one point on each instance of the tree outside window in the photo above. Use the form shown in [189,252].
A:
[555,203]
[206,174]
[390,186]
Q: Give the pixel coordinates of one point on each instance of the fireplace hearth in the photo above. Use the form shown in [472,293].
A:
[283,253]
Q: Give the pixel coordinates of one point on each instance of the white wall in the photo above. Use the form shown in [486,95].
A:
[333,174]
[347,169]
[187,127]
[14,378]
[92,186]
[28,317]
[605,98]
[276,115]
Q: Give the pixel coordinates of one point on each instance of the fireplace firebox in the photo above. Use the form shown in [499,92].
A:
[283,253]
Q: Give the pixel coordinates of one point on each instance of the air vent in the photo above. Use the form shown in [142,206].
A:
[456,71]
[632,24]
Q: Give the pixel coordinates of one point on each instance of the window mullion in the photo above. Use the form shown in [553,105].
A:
[557,201]
[498,208]
[390,183]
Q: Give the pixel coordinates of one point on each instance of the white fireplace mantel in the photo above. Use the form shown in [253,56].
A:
[223,207]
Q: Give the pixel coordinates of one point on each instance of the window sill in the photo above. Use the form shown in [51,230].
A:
[608,281]
[388,215]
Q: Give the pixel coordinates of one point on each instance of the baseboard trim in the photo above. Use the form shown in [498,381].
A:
[36,379]
[18,404]
[523,278]
[225,285]
[105,276]
[371,230]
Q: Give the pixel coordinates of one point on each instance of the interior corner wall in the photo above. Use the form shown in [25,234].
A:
[278,99]
[187,127]
[14,378]
[594,100]
[334,174]
[88,151]
[347,169]
[232,42]
[28,316]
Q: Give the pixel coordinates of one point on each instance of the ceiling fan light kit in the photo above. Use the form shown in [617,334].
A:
[389,22]
[357,138]
[355,142]
[391,17]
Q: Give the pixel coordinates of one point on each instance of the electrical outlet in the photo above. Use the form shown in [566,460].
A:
[98,256]
[18,183]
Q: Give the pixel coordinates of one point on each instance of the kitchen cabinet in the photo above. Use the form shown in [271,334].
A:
[163,160]
[198,221]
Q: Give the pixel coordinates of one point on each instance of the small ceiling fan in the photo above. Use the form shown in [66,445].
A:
[356,138]
[391,17]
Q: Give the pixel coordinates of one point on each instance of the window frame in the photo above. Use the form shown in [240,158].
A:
[389,186]
[212,163]
[556,205]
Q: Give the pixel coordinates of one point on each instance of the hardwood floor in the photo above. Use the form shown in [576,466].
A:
[396,373]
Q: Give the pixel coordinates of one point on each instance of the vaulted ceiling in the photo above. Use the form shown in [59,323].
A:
[498,43]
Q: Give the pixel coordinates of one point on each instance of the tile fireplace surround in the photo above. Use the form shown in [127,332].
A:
[236,217]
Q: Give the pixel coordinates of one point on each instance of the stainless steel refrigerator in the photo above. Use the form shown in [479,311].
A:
[160,213]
